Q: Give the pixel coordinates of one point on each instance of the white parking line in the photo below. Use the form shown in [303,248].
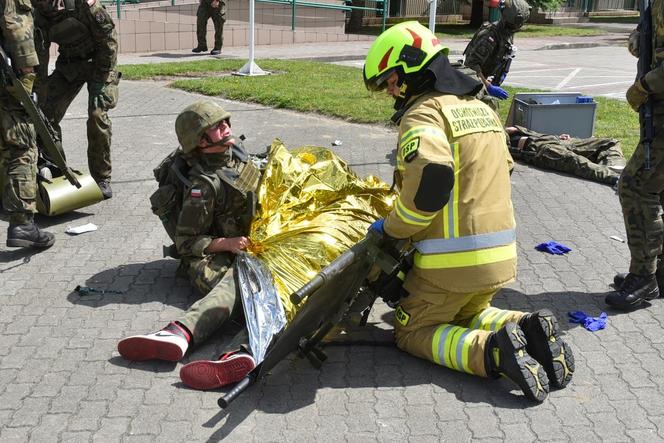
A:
[567,79]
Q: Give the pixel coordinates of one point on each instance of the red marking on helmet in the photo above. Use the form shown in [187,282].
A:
[417,40]
[383,62]
[435,41]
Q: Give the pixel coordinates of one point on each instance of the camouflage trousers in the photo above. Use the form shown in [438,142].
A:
[586,158]
[641,194]
[213,276]
[62,87]
[218,16]
[18,156]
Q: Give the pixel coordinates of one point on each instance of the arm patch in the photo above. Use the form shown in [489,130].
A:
[435,186]
[409,150]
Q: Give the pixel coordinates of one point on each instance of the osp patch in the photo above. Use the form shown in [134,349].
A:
[409,149]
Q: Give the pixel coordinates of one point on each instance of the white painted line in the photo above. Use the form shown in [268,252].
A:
[599,84]
[539,70]
[568,78]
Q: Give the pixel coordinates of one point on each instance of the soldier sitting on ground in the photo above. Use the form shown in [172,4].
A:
[597,159]
[209,228]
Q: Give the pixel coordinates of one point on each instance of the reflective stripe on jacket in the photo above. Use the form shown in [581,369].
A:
[470,244]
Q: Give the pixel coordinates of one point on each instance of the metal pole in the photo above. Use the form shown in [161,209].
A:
[432,15]
[117,8]
[250,68]
[293,16]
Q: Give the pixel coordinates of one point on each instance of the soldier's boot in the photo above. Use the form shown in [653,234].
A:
[208,374]
[199,49]
[105,186]
[170,344]
[507,355]
[215,51]
[28,235]
[635,289]
[546,346]
[619,278]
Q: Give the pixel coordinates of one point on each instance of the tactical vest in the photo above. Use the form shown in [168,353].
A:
[234,187]
[72,35]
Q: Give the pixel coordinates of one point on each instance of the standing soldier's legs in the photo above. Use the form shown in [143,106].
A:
[218,19]
[202,16]
[61,92]
[99,128]
[639,191]
[19,194]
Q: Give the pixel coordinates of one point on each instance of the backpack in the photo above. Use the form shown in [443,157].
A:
[166,202]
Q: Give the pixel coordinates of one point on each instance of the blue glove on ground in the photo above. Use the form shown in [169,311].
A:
[590,323]
[553,247]
[497,91]
[378,226]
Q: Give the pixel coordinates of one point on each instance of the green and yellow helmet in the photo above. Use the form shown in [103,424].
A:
[195,119]
[405,48]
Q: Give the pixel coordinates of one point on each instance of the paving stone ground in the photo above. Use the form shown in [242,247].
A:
[61,378]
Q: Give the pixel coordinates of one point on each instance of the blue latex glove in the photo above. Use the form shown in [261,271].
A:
[378,226]
[590,323]
[497,91]
[553,247]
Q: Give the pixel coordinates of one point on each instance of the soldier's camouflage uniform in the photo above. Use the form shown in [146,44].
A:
[87,54]
[641,191]
[209,212]
[218,15]
[17,134]
[588,158]
[490,44]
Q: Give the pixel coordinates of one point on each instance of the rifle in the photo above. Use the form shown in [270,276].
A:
[644,66]
[51,141]
[504,67]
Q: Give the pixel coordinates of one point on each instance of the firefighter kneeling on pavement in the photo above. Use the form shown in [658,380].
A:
[455,206]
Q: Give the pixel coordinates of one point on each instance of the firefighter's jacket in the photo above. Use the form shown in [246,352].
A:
[470,244]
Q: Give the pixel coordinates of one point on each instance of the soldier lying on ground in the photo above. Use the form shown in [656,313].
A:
[598,159]
[209,228]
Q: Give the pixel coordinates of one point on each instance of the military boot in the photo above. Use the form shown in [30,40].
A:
[635,289]
[508,356]
[199,49]
[546,346]
[619,278]
[28,235]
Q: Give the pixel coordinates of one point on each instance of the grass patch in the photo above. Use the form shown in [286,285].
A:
[337,91]
[529,30]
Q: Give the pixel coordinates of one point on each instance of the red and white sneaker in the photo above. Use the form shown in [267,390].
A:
[208,374]
[169,344]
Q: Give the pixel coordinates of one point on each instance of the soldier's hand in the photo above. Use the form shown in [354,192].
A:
[231,244]
[215,4]
[97,94]
[27,79]
[636,95]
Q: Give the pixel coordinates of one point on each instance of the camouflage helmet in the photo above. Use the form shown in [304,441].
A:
[195,119]
[515,13]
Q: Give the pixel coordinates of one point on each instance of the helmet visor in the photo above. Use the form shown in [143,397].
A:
[377,82]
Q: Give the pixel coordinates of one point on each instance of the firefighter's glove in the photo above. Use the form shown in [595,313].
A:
[97,95]
[26,79]
[378,226]
[553,247]
[497,91]
[590,323]
[637,94]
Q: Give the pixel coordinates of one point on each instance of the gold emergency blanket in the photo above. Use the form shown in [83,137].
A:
[312,208]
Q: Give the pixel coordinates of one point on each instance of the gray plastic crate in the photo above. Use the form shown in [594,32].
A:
[553,113]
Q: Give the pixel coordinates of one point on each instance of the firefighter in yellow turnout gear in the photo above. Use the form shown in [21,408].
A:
[455,206]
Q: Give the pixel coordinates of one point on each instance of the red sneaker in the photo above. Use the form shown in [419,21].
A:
[208,374]
[169,344]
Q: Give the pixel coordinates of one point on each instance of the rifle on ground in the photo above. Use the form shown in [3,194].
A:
[644,66]
[50,139]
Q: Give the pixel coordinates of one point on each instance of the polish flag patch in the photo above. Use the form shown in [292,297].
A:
[196,193]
